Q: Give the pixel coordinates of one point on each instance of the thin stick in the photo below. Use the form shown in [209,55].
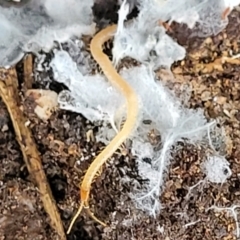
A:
[28,147]
[28,70]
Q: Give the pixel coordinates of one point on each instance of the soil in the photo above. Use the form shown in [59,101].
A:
[66,152]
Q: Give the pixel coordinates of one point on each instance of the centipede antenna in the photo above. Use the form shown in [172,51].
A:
[93,217]
[75,217]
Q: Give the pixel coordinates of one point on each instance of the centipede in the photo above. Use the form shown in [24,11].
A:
[132,105]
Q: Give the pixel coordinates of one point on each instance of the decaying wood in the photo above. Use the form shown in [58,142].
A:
[28,70]
[8,93]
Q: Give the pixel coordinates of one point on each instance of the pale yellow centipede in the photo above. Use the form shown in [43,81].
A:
[132,112]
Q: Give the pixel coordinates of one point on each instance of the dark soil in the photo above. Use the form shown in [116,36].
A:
[66,153]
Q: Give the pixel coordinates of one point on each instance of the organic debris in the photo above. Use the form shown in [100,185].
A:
[31,156]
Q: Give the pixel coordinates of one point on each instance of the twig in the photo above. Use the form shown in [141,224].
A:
[28,69]
[29,150]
